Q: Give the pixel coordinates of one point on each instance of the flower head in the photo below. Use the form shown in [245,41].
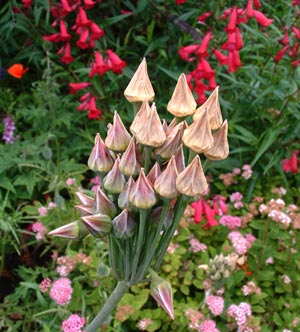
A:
[17,70]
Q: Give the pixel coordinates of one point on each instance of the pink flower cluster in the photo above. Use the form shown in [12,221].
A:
[230,178]
[61,291]
[215,304]
[67,264]
[250,288]
[236,199]
[231,222]
[45,285]
[240,313]
[144,323]
[208,326]
[73,324]
[196,245]
[39,229]
[240,242]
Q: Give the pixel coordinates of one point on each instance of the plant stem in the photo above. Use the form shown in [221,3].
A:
[109,306]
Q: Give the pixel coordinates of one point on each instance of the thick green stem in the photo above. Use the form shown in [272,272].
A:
[139,244]
[109,306]
[148,151]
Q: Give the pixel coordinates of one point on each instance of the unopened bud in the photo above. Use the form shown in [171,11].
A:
[100,158]
[220,149]
[84,199]
[142,194]
[182,102]
[165,184]
[97,224]
[154,173]
[140,87]
[191,181]
[117,138]
[114,180]
[128,163]
[179,159]
[103,205]
[212,106]
[123,199]
[198,136]
[123,225]
[69,231]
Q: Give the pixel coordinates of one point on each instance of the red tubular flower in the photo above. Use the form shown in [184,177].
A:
[96,31]
[93,113]
[291,165]
[281,53]
[221,57]
[210,217]
[203,17]
[64,35]
[202,49]
[285,39]
[98,66]
[26,3]
[81,18]
[67,57]
[262,19]
[249,9]
[54,38]
[78,86]
[257,3]
[88,4]
[83,37]
[296,32]
[180,2]
[185,52]
[231,26]
[66,6]
[116,63]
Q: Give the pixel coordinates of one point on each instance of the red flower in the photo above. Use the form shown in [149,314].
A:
[223,60]
[64,35]
[180,2]
[249,10]
[114,62]
[202,49]
[231,26]
[26,3]
[67,57]
[203,17]
[88,4]
[81,18]
[98,66]
[281,53]
[17,70]
[261,18]
[82,41]
[185,52]
[291,165]
[78,86]
[93,113]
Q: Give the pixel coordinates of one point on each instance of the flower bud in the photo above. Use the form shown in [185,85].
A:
[84,210]
[100,158]
[165,184]
[154,173]
[123,199]
[84,199]
[212,106]
[97,224]
[220,149]
[148,129]
[128,163]
[173,139]
[123,225]
[103,205]
[191,181]
[140,87]
[69,231]
[161,291]
[114,180]
[182,102]
[179,159]
[198,136]
[117,138]
[142,194]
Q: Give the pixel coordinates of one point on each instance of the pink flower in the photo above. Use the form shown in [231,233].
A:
[208,326]
[286,279]
[247,172]
[235,197]
[45,285]
[215,304]
[240,312]
[231,222]
[73,324]
[291,165]
[240,243]
[52,205]
[261,18]
[61,291]
[39,229]
[196,245]
[43,211]
[144,323]
[70,181]
[269,260]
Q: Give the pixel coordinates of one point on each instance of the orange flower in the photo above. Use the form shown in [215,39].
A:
[17,70]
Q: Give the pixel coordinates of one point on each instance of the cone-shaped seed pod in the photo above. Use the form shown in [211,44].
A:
[172,141]
[97,224]
[212,106]
[117,138]
[128,163]
[154,173]
[165,184]
[161,291]
[123,225]
[179,159]
[114,180]
[220,149]
[69,231]
[123,199]
[84,199]
[84,210]
[100,158]
[182,102]
[191,181]
[150,131]
[142,194]
[198,136]
[140,87]
[103,205]
[141,117]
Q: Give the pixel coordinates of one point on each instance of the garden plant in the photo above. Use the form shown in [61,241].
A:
[149,173]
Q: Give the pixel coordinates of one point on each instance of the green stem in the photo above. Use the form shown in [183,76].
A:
[109,306]
[150,252]
[181,205]
[147,151]
[192,155]
[113,254]
[139,244]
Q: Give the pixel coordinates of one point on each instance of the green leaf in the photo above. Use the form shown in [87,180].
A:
[277,319]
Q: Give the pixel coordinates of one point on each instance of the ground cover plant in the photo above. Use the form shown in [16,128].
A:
[233,261]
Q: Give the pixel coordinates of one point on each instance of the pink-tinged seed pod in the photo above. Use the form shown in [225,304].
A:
[114,181]
[154,173]
[128,164]
[69,231]
[97,224]
[220,149]
[123,199]
[102,204]
[123,225]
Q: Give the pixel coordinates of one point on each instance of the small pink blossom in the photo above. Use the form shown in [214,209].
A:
[236,171]
[269,260]
[240,243]
[45,285]
[215,304]
[61,291]
[70,181]
[247,172]
[172,247]
[43,211]
[239,312]
[238,205]
[286,279]
[73,324]
[231,222]
[39,229]
[236,197]
[52,205]
[208,326]
[144,323]
[196,245]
